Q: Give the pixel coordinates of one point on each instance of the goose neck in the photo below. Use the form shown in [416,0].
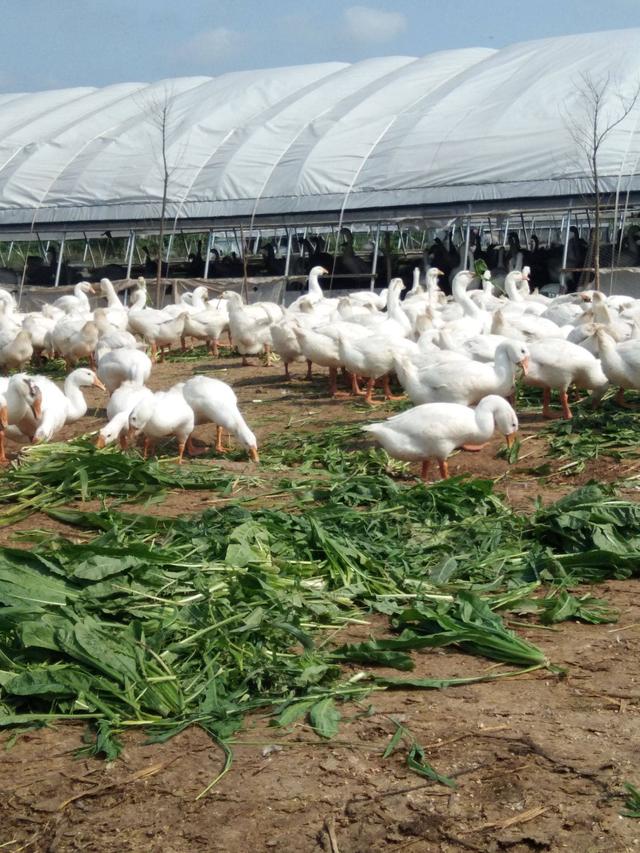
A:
[485,420]
[76,402]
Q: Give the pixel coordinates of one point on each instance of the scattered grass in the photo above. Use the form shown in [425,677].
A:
[609,432]
[632,802]
[168,622]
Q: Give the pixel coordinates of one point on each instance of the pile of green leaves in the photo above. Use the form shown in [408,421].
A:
[610,432]
[167,622]
[52,474]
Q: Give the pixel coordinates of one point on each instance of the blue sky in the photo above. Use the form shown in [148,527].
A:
[47,44]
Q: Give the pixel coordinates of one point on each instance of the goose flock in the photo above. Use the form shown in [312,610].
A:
[456,358]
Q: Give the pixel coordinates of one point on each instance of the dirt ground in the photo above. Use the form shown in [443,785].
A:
[539,760]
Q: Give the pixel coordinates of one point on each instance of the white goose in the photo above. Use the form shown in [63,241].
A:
[120,405]
[123,365]
[163,414]
[555,364]
[463,382]
[115,312]
[473,320]
[435,430]
[620,362]
[60,407]
[213,401]
[23,399]
[16,353]
[250,325]
[320,346]
[77,304]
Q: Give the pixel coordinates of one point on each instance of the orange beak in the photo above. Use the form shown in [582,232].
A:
[253,453]
[100,442]
[524,364]
[511,439]
[99,384]
[4,417]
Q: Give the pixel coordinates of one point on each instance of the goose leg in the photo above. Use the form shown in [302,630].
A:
[147,448]
[287,375]
[181,446]
[424,471]
[192,450]
[546,405]
[355,388]
[369,395]
[564,402]
[3,457]
[245,361]
[220,448]
[309,366]
[333,381]
[620,401]
[387,389]
[444,469]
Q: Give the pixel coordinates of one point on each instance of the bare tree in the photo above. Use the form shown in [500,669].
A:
[599,111]
[158,107]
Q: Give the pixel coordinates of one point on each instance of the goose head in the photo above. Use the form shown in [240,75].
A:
[396,285]
[105,285]
[26,388]
[517,353]
[113,430]
[82,377]
[462,280]
[506,420]
[317,271]
[138,417]
[248,440]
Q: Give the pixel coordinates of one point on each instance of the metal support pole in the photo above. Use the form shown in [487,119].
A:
[565,251]
[24,274]
[506,231]
[467,242]
[287,264]
[168,255]
[208,253]
[132,239]
[59,267]
[90,250]
[374,262]
[10,251]
[524,230]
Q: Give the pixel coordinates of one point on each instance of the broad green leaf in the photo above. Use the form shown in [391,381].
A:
[325,717]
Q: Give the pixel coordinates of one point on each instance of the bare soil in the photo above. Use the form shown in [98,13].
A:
[539,759]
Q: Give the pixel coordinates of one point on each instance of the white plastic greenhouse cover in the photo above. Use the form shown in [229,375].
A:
[472,126]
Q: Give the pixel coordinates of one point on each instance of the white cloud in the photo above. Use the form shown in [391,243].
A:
[373,25]
[211,46]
